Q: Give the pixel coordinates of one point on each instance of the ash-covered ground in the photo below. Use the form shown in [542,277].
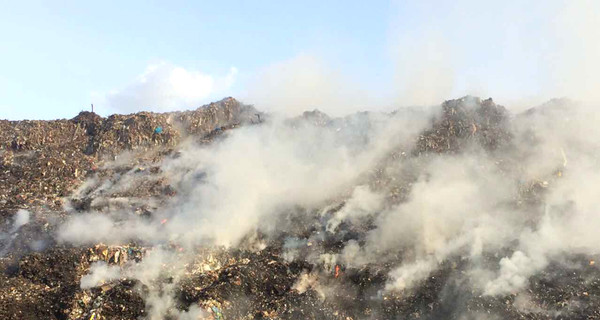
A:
[459,211]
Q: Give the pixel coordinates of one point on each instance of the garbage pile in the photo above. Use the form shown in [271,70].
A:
[466,119]
[42,162]
[118,167]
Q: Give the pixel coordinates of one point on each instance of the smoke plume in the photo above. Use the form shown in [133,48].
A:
[509,196]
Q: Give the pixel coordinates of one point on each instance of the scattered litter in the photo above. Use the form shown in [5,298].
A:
[564,155]
[218,315]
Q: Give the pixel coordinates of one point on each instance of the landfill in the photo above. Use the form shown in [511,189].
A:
[122,167]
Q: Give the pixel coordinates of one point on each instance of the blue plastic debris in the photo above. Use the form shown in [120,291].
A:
[158,130]
[217,313]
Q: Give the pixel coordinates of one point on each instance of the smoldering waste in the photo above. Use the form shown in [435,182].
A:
[461,211]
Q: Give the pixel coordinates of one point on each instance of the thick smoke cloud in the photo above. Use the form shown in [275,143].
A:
[229,187]
[508,212]
[229,190]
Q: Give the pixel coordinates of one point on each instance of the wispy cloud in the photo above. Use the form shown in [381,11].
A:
[167,87]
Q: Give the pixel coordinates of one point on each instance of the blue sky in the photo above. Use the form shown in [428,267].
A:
[58,57]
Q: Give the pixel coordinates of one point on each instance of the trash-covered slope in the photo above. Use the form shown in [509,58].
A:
[456,212]
[43,161]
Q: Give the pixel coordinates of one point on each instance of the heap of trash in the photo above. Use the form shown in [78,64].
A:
[44,161]
[52,171]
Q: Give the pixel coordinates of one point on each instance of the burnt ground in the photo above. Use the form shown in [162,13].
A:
[43,165]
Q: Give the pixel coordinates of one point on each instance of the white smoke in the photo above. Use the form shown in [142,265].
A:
[282,166]
[21,219]
[469,205]
[228,190]
[7,238]
[99,274]
[363,201]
